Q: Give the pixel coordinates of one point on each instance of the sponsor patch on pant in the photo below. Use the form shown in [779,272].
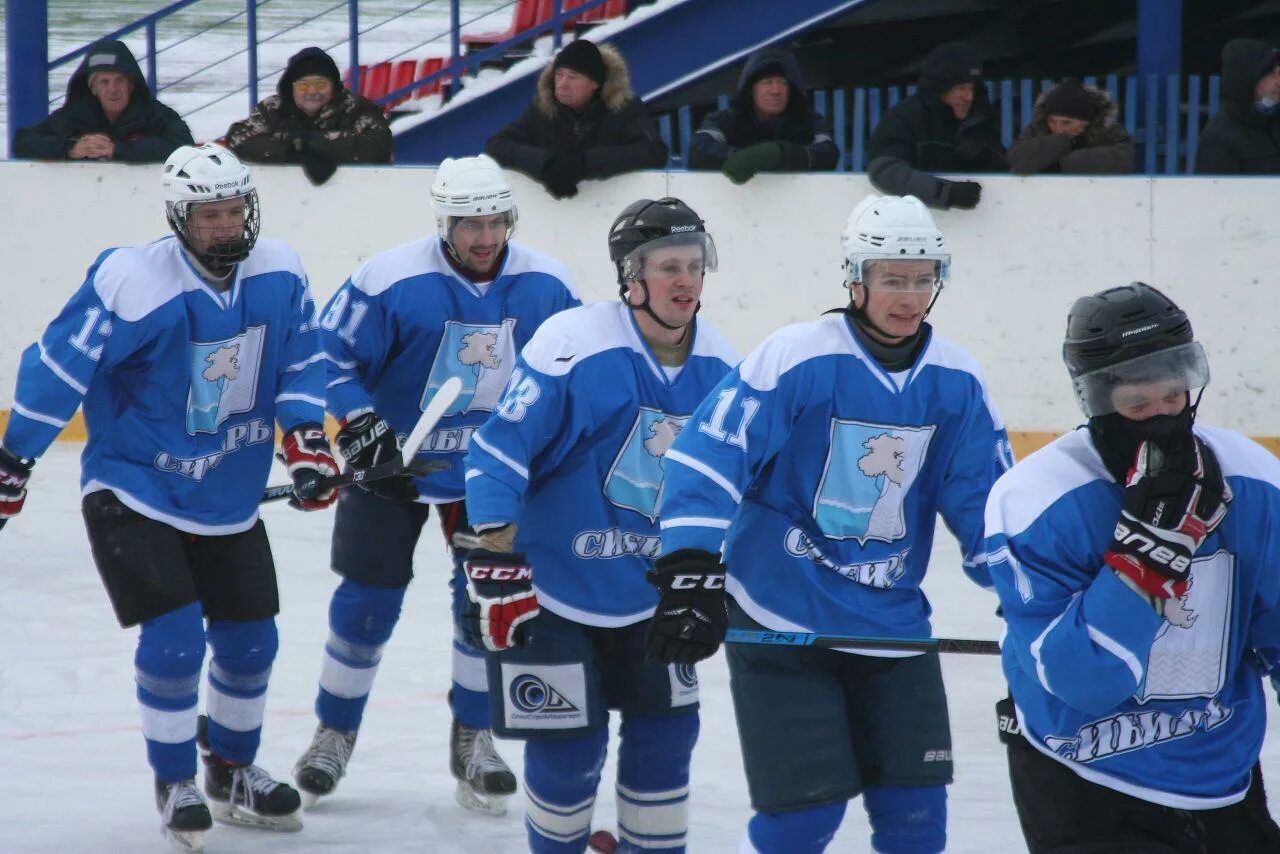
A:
[544,696]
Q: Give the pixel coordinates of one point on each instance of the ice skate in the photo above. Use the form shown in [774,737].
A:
[324,764]
[246,795]
[602,842]
[184,816]
[484,780]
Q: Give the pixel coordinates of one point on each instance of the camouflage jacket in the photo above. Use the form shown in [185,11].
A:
[350,129]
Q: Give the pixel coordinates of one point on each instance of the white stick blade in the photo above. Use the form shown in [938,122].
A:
[440,403]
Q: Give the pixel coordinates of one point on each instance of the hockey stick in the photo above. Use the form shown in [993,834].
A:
[960,645]
[405,464]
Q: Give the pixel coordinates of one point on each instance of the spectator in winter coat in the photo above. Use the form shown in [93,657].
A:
[584,122]
[313,120]
[770,126]
[1244,137]
[947,125]
[109,114]
[1073,130]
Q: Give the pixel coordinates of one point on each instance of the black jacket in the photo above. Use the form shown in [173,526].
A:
[146,132]
[1240,139]
[615,133]
[921,135]
[349,129]
[805,135]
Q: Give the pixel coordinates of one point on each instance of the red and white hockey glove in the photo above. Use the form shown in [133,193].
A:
[14,473]
[500,599]
[306,454]
[1173,500]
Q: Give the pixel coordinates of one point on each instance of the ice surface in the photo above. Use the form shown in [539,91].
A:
[73,772]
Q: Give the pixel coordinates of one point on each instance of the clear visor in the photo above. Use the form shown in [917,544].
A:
[899,275]
[501,225]
[693,253]
[1143,386]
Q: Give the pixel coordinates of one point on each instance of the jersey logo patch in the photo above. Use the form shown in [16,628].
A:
[224,379]
[1189,656]
[482,356]
[868,473]
[635,478]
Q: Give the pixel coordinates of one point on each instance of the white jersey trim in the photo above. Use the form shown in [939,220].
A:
[706,471]
[588,618]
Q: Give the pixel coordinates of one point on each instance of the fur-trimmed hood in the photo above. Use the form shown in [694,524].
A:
[1102,130]
[614,93]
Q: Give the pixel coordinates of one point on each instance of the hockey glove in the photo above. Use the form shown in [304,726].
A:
[692,616]
[1173,500]
[14,472]
[500,599]
[368,441]
[305,452]
[964,194]
[562,174]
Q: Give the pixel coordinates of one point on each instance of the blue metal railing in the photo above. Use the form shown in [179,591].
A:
[1163,114]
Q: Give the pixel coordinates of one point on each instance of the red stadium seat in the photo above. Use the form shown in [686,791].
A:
[527,14]
[402,74]
[346,77]
[430,65]
[378,81]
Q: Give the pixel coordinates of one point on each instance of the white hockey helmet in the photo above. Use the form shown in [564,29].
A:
[883,228]
[193,175]
[471,186]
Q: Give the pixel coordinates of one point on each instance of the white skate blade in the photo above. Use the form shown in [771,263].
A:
[309,799]
[240,817]
[185,840]
[469,798]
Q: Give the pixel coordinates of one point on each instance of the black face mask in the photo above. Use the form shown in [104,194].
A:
[1117,438]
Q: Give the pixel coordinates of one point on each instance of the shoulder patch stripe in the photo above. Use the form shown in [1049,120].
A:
[707,472]
[499,456]
[60,373]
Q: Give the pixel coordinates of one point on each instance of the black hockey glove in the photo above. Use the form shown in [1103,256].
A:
[964,194]
[692,615]
[14,472]
[500,599]
[367,441]
[1173,499]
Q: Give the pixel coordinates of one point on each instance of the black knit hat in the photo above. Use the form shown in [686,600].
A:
[949,64]
[1069,98]
[583,57]
[309,61]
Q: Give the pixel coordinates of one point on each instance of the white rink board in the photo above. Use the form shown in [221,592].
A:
[1032,247]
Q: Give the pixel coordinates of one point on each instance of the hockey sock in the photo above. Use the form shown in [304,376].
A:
[802,831]
[361,619]
[238,674]
[560,780]
[167,670]
[653,781]
[907,819]
[469,696]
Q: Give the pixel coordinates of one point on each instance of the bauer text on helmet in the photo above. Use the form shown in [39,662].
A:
[211,205]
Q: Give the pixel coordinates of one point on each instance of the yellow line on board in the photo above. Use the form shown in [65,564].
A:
[1024,441]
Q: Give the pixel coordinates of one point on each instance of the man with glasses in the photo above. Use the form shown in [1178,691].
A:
[821,464]
[1143,602]
[313,120]
[461,303]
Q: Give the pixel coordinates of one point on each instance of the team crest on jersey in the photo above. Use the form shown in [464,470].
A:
[868,473]
[482,356]
[224,379]
[635,479]
[1189,656]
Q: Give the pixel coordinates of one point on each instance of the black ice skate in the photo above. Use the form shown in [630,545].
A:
[246,795]
[484,780]
[323,765]
[184,816]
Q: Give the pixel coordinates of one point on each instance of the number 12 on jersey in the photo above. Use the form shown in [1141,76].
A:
[716,428]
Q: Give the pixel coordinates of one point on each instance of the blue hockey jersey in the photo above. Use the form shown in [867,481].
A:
[1170,710]
[574,456]
[405,322]
[822,475]
[182,385]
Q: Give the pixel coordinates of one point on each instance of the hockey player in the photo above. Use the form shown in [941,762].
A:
[562,484]
[821,464]
[459,304]
[1143,602]
[186,353]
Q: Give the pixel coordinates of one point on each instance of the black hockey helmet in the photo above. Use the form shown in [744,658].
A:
[1128,334]
[645,222]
